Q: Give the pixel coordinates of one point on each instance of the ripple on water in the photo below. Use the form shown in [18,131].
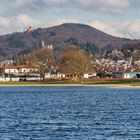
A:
[63,113]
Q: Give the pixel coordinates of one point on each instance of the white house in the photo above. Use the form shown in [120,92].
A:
[90,75]
[22,69]
[16,73]
[27,69]
[10,69]
[54,76]
[128,75]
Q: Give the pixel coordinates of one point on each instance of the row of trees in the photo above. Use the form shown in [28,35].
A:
[73,61]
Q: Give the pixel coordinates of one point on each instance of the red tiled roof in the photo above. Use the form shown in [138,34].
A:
[17,67]
[24,66]
[10,67]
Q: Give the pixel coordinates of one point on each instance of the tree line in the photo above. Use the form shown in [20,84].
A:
[72,61]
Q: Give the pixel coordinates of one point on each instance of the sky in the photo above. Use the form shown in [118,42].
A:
[116,17]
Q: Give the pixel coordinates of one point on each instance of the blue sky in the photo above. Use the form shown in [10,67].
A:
[116,17]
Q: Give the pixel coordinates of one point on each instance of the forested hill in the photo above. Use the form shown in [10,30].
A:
[60,36]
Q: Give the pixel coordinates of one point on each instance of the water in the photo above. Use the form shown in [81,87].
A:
[69,113]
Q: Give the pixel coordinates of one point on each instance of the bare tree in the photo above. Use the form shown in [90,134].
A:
[136,55]
[74,62]
[43,59]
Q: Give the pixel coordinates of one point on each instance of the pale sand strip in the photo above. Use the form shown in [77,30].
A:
[71,85]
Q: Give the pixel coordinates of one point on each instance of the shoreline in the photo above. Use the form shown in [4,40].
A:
[69,85]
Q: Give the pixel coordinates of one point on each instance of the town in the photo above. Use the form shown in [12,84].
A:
[101,68]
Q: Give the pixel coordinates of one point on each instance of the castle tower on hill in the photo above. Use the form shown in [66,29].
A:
[29,29]
[50,46]
[43,44]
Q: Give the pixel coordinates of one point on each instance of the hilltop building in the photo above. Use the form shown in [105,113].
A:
[43,44]
[29,29]
[50,47]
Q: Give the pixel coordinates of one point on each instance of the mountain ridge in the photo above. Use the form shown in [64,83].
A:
[59,36]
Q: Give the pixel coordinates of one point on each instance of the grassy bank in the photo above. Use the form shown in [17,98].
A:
[98,82]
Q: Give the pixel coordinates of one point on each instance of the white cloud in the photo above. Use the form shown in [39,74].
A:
[4,22]
[131,28]
[109,6]
[116,4]
[127,29]
[19,23]
[25,20]
[21,2]
[56,2]
[106,27]
[22,22]
[113,6]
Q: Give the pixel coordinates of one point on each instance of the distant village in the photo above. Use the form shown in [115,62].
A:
[104,68]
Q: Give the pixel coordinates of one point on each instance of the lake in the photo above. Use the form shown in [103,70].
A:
[69,113]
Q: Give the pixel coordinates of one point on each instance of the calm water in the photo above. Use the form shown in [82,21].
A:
[69,113]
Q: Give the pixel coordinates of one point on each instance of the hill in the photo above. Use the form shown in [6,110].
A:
[84,36]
